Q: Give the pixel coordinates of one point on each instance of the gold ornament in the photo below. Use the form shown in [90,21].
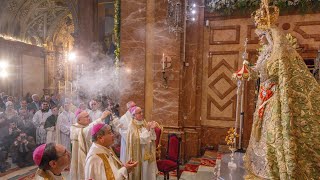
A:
[266,15]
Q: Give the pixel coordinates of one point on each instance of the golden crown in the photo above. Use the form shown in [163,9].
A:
[266,15]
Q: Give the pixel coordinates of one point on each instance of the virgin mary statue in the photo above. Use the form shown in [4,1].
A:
[285,137]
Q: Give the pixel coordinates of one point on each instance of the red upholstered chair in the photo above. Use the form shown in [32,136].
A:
[172,160]
[159,131]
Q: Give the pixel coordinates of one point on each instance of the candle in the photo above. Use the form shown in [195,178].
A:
[77,71]
[81,69]
[65,87]
[162,61]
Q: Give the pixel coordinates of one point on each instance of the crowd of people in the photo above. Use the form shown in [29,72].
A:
[32,121]
[90,140]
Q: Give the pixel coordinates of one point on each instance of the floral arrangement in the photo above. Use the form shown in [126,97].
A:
[116,31]
[231,137]
[230,6]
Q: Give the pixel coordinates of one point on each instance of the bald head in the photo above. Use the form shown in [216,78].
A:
[137,113]
[83,118]
[130,104]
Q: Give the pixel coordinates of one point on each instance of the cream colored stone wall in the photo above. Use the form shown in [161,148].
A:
[32,74]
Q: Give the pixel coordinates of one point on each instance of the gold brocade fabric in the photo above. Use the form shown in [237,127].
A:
[134,150]
[107,167]
[288,145]
[45,175]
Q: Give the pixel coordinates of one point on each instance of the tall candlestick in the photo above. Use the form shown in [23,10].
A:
[65,87]
[59,86]
[162,61]
[81,69]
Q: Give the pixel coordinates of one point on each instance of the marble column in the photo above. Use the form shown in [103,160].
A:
[191,76]
[144,38]
[88,24]
[133,52]
[166,100]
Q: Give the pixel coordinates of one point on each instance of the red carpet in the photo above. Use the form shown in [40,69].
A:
[208,162]
[191,167]
[209,159]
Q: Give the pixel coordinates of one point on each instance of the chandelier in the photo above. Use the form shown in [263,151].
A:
[179,11]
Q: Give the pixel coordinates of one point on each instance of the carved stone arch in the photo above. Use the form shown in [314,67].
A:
[41,8]
[63,34]
[56,26]
[21,16]
[37,21]
[72,4]
[9,10]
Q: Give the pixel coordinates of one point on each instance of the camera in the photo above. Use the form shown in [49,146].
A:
[23,136]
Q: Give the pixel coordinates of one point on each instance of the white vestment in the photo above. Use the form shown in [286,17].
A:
[124,121]
[81,142]
[95,114]
[149,169]
[147,146]
[51,134]
[44,175]
[95,167]
[64,121]
[39,118]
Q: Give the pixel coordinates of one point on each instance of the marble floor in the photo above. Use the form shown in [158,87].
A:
[226,173]
[19,173]
[203,173]
[16,175]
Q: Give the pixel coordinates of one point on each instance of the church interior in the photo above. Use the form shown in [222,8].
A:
[176,59]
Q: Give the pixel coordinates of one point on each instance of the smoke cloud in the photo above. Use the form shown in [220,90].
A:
[97,76]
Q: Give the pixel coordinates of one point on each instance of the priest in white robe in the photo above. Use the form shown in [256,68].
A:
[64,122]
[101,162]
[39,120]
[141,146]
[80,135]
[124,121]
[72,107]
[94,113]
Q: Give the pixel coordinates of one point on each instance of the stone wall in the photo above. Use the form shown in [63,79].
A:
[26,64]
